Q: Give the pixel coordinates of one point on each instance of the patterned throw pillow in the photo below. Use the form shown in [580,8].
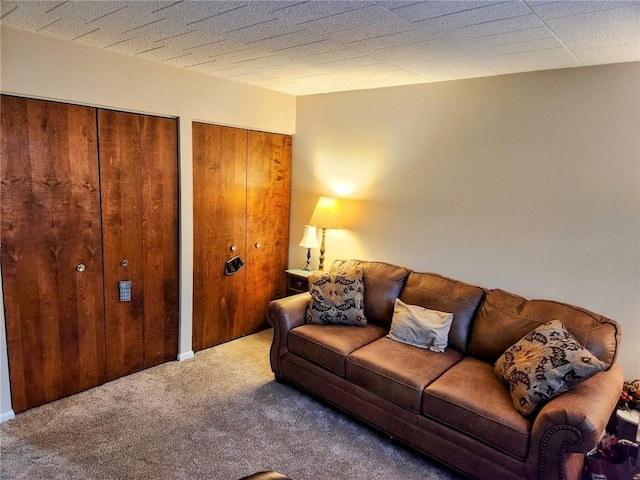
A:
[337,297]
[543,364]
[420,327]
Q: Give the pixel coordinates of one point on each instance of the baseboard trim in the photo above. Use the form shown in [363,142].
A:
[6,416]
[185,356]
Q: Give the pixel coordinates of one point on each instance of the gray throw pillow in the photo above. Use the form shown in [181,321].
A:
[420,327]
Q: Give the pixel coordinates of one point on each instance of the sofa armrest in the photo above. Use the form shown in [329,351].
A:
[285,314]
[573,423]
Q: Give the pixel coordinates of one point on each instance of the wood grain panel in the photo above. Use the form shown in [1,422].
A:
[139,174]
[159,163]
[50,223]
[219,203]
[122,223]
[268,201]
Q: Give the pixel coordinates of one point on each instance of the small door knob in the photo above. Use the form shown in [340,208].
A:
[124,262]
[257,244]
[81,267]
[233,248]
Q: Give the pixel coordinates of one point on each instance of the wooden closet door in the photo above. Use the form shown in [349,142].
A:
[159,166]
[219,210]
[51,224]
[139,214]
[268,198]
[121,177]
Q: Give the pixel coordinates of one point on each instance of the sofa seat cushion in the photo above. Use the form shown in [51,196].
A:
[329,345]
[397,371]
[471,399]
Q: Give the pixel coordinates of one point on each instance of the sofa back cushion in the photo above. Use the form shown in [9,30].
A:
[382,285]
[436,292]
[504,318]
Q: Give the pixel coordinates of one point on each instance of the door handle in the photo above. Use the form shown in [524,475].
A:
[81,267]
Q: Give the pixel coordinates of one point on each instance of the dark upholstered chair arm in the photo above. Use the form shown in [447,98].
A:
[573,422]
[285,314]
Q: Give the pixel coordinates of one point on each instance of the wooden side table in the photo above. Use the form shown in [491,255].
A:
[297,281]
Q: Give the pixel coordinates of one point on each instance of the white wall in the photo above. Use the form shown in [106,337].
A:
[42,67]
[525,182]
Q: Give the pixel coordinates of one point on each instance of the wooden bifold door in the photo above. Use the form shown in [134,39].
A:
[241,195]
[138,172]
[89,198]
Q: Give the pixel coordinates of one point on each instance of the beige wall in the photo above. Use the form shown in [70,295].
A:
[525,182]
[37,66]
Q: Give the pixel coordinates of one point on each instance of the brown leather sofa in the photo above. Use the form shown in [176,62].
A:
[450,405]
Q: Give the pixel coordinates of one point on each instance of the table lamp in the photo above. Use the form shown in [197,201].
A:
[327,214]
[309,241]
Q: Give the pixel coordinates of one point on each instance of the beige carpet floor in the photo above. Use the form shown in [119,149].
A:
[219,415]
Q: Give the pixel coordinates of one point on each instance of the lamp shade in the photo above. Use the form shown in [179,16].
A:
[327,213]
[309,239]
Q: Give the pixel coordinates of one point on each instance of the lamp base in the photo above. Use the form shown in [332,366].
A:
[321,259]
[307,267]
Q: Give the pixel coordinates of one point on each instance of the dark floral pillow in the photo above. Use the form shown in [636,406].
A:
[337,297]
[543,364]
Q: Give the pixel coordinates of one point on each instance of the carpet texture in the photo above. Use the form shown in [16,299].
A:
[219,415]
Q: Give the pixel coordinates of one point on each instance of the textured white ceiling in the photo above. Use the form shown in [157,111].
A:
[307,47]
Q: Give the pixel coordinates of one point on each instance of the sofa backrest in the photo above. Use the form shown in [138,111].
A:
[382,285]
[435,292]
[504,318]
